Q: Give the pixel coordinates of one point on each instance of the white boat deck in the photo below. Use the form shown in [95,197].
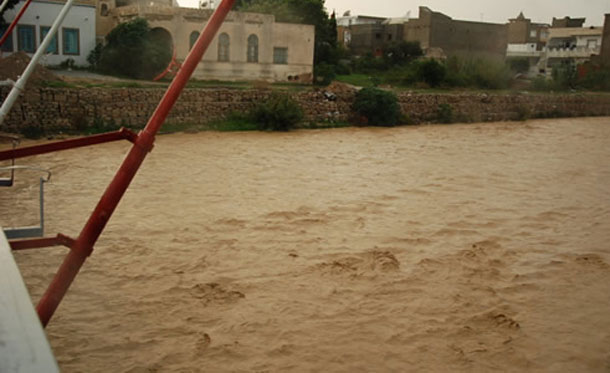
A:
[23,343]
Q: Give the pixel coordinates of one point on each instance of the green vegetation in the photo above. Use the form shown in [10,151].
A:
[57,84]
[422,73]
[402,53]
[519,65]
[324,73]
[429,71]
[596,80]
[278,113]
[360,80]
[444,113]
[523,113]
[9,5]
[477,73]
[379,107]
[133,50]
[567,77]
[32,131]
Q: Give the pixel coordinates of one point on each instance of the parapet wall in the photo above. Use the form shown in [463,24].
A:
[56,110]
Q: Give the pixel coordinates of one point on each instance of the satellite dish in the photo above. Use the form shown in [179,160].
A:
[347,13]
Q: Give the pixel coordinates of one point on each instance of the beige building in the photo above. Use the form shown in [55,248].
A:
[248,46]
[438,35]
[465,39]
[571,44]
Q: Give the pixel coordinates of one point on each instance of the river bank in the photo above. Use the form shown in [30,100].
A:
[49,111]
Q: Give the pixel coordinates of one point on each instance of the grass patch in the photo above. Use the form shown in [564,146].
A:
[216,84]
[58,84]
[125,84]
[360,80]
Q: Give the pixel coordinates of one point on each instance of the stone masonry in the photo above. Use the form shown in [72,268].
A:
[57,110]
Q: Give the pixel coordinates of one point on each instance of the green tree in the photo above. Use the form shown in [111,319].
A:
[134,50]
[402,53]
[431,72]
[564,75]
[379,107]
[10,5]
[279,112]
[519,64]
[240,4]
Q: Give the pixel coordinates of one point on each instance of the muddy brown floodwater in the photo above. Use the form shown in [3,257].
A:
[476,247]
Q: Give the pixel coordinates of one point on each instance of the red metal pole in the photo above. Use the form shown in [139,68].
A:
[122,134]
[14,23]
[110,199]
[37,243]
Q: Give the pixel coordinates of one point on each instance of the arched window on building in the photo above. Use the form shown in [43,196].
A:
[252,48]
[193,39]
[223,47]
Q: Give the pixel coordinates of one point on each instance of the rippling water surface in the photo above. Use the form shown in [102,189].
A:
[474,247]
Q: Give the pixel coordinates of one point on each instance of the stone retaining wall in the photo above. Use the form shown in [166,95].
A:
[62,109]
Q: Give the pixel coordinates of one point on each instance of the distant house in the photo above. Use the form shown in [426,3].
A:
[567,22]
[547,46]
[248,46]
[74,40]
[523,32]
[528,40]
[438,34]
[358,33]
[572,45]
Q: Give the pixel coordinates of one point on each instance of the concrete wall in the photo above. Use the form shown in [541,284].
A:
[434,30]
[436,33]
[522,31]
[367,38]
[605,50]
[55,110]
[518,31]
[468,39]
[373,38]
[43,13]
[418,29]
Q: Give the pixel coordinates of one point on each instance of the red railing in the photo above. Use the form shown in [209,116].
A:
[82,247]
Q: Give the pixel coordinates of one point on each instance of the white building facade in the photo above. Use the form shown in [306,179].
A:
[75,38]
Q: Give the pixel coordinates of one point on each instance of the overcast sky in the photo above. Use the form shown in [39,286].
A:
[474,10]
[498,11]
